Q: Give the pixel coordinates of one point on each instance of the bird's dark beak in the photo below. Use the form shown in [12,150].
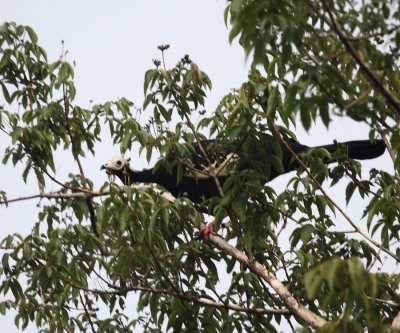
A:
[104,167]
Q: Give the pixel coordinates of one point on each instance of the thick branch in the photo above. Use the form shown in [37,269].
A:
[396,323]
[294,306]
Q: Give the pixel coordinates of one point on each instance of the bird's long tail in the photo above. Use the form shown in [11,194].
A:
[359,149]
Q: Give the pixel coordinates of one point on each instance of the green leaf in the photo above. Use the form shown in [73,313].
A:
[39,176]
[6,94]
[273,99]
[149,151]
[20,30]
[5,59]
[226,14]
[179,174]
[306,233]
[143,137]
[312,282]
[305,117]
[165,214]
[166,114]
[321,204]
[154,301]
[5,262]
[220,214]
[242,96]
[3,307]
[324,112]
[349,191]
[124,217]
[148,77]
[16,134]
[330,274]
[32,34]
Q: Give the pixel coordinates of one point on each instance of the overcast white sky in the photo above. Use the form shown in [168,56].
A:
[113,44]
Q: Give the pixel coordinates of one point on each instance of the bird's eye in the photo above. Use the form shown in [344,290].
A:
[119,162]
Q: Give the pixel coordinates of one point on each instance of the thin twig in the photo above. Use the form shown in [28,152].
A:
[373,35]
[165,276]
[384,301]
[87,313]
[357,100]
[386,141]
[75,154]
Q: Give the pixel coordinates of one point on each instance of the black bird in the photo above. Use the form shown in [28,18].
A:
[197,180]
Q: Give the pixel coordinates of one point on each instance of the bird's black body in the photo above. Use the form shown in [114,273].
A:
[197,181]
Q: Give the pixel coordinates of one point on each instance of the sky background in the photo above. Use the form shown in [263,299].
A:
[113,44]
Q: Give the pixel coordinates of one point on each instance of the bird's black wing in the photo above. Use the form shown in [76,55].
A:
[221,157]
[264,154]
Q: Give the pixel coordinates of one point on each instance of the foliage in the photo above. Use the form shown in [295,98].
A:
[310,59]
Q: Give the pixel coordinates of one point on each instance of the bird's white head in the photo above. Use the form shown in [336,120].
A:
[115,163]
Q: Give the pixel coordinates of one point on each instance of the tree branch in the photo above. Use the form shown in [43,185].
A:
[294,306]
[386,141]
[235,225]
[326,195]
[396,323]
[83,194]
[87,313]
[374,35]
[368,72]
[182,296]
[56,195]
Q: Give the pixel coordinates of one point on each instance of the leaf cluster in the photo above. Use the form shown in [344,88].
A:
[60,274]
